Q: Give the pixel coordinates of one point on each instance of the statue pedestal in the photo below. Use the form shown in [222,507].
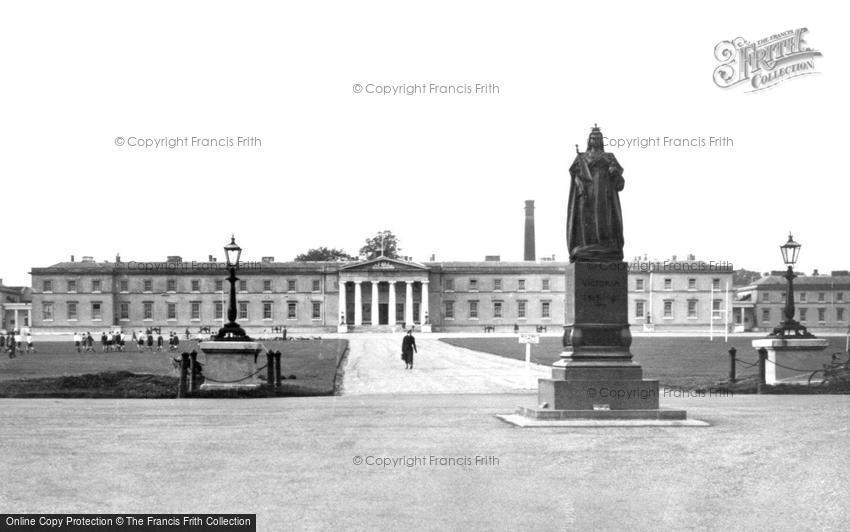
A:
[426,328]
[342,329]
[807,354]
[232,365]
[596,377]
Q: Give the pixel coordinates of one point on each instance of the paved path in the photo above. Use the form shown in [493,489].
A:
[375,366]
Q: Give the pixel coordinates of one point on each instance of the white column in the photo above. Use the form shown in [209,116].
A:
[408,304]
[342,303]
[29,318]
[423,304]
[375,302]
[358,304]
[17,324]
[391,309]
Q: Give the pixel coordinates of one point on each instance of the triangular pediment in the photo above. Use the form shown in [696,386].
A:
[382,264]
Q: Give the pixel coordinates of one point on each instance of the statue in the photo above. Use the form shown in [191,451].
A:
[594,218]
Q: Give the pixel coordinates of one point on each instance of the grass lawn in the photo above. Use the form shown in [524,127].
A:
[53,370]
[680,361]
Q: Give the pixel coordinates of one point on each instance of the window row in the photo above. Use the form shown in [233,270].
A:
[473,285]
[803,314]
[802,297]
[193,310]
[498,309]
[640,284]
[668,309]
[194,285]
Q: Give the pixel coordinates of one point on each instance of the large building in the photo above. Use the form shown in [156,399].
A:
[372,294]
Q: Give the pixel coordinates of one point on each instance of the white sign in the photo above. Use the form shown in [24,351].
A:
[529,338]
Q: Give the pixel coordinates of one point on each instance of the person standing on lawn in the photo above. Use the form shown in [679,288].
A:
[408,348]
[77,341]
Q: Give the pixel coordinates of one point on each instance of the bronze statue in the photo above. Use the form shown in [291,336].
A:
[594,218]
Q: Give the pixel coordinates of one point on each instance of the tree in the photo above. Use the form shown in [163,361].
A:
[744,277]
[324,254]
[384,243]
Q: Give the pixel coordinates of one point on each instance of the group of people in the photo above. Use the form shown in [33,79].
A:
[14,342]
[116,341]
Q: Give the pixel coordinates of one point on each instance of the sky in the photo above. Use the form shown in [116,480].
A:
[447,173]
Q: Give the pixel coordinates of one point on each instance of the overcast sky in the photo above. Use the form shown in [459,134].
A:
[447,173]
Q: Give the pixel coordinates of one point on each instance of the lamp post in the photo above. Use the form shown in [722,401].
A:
[231,330]
[789,326]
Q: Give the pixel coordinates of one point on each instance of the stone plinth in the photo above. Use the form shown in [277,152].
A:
[229,363]
[806,354]
[596,377]
[342,329]
[426,328]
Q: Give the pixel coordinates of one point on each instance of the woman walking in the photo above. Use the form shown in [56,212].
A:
[408,347]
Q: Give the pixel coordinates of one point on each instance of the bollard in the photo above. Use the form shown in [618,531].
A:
[277,370]
[193,371]
[184,370]
[732,353]
[270,368]
[762,364]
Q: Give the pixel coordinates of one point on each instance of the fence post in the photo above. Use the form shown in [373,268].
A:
[184,370]
[270,368]
[193,371]
[762,363]
[277,369]
[732,353]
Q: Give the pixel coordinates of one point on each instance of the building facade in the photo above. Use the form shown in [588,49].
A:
[376,295]
[15,307]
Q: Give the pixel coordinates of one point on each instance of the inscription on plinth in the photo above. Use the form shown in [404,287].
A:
[596,306]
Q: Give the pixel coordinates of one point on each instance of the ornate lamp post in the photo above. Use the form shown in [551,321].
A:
[232,330]
[789,326]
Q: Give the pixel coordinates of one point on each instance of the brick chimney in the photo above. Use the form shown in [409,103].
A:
[530,253]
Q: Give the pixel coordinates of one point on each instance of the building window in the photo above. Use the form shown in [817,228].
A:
[47,286]
[473,310]
[95,285]
[123,310]
[267,310]
[497,284]
[196,285]
[520,284]
[450,310]
[267,285]
[171,311]
[765,315]
[148,285]
[803,312]
[47,311]
[839,296]
[96,311]
[243,310]
[765,296]
[521,309]
[317,310]
[290,285]
[821,297]
[219,285]
[473,284]
[640,308]
[450,285]
[692,283]
[668,283]
[171,285]
[72,285]
[668,309]
[124,285]
[219,310]
[545,285]
[784,297]
[195,311]
[692,308]
[317,285]
[821,315]
[803,297]
[639,285]
[243,285]
[147,310]
[291,313]
[716,311]
[72,310]
[497,309]
[839,314]
[715,283]
[544,309]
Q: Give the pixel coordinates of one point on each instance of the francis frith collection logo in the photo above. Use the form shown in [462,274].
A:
[764,63]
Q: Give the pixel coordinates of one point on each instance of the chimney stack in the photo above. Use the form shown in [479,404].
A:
[529,231]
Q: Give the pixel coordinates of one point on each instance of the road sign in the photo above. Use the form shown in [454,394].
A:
[529,338]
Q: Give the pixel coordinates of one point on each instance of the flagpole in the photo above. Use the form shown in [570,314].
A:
[726,309]
[711,315]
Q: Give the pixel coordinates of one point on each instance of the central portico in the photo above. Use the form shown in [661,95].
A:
[383,291]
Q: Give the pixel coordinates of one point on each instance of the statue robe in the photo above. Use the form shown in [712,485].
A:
[594,218]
